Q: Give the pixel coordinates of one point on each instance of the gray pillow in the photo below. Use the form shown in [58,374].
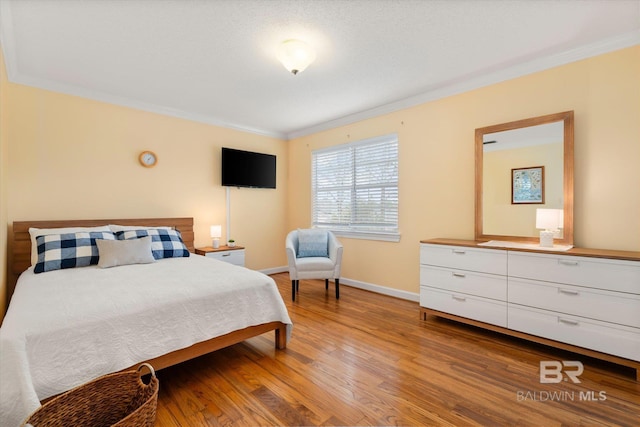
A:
[124,252]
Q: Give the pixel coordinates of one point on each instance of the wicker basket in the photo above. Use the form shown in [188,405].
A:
[121,399]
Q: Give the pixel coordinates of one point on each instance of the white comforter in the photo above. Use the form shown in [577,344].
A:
[66,327]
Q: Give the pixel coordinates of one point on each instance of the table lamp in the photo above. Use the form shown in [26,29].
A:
[216,233]
[549,221]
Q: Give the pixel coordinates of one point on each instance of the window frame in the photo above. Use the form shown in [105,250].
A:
[350,231]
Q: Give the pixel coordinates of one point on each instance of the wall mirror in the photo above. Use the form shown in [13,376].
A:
[535,155]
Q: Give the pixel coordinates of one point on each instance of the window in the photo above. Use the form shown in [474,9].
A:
[355,188]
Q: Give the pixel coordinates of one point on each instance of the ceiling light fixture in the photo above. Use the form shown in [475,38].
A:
[296,55]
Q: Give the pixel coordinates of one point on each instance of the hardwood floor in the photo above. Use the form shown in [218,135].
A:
[368,359]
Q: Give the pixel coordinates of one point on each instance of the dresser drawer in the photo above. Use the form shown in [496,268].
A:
[613,275]
[592,303]
[459,257]
[235,257]
[467,282]
[477,308]
[592,334]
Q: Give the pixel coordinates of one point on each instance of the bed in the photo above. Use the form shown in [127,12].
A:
[162,311]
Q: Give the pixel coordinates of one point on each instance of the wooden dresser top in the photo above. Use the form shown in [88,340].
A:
[596,253]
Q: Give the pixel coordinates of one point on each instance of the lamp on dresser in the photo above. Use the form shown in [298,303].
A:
[549,220]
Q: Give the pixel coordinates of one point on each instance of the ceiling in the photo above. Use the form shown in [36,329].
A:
[548,133]
[215,61]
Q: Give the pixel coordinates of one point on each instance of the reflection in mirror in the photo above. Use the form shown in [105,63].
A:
[520,167]
[505,154]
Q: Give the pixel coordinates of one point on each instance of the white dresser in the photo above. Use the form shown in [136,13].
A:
[465,281]
[583,300]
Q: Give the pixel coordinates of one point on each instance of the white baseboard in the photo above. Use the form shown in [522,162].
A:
[406,295]
[274,270]
[397,293]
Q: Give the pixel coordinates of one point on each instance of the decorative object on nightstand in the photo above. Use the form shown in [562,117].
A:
[550,220]
[232,255]
[216,233]
[231,243]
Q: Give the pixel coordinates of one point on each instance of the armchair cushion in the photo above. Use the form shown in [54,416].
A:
[312,243]
[320,266]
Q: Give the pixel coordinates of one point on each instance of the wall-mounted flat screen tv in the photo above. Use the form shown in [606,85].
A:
[248,169]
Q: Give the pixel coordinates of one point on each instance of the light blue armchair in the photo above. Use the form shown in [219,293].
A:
[313,254]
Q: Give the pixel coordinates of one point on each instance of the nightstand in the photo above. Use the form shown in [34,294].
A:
[233,255]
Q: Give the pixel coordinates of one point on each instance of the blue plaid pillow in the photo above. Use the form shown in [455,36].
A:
[164,243]
[68,250]
[313,243]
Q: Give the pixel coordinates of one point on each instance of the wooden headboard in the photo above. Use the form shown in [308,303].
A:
[21,243]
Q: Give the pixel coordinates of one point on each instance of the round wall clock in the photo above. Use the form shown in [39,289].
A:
[148,159]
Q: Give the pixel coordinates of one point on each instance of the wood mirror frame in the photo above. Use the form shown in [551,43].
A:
[567,118]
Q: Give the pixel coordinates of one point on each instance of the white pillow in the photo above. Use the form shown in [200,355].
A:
[124,252]
[35,232]
[115,228]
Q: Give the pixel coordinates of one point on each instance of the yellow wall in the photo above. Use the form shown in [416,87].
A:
[496,188]
[4,144]
[436,143]
[72,158]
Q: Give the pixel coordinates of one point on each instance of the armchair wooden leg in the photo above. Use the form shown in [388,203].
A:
[293,290]
[326,283]
[337,288]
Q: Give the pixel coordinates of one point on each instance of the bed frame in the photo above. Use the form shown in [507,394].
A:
[21,260]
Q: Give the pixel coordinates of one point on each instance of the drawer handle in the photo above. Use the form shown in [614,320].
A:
[459,275]
[568,292]
[457,298]
[568,322]
[458,252]
[226,254]
[568,263]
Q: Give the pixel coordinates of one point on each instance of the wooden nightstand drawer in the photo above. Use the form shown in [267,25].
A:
[231,255]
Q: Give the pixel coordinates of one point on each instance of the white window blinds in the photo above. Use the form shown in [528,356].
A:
[355,188]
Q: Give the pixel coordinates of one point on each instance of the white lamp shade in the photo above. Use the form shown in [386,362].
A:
[216,231]
[549,219]
[296,55]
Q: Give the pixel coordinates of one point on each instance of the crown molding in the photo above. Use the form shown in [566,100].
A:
[138,105]
[519,70]
[7,44]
